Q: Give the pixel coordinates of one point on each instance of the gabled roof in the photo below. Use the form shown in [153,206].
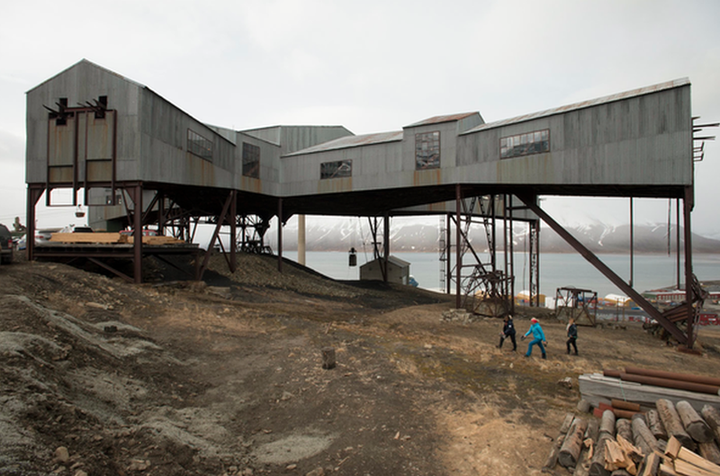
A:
[441,119]
[84,62]
[352,141]
[582,105]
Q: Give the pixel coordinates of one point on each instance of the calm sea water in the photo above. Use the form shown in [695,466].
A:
[556,270]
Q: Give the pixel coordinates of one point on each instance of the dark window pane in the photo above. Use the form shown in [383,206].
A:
[341,168]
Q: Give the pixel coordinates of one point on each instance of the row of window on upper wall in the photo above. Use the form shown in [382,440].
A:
[427,151]
[203,148]
[427,156]
[529,143]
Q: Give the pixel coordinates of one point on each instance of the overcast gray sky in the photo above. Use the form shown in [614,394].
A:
[371,66]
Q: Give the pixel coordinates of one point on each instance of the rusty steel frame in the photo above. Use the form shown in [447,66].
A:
[571,299]
[686,337]
[494,283]
[85,183]
[381,257]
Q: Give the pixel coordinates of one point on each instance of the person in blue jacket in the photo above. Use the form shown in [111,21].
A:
[538,338]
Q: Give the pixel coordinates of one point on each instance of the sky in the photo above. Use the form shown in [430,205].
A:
[371,66]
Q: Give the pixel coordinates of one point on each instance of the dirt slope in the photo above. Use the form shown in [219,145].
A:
[225,377]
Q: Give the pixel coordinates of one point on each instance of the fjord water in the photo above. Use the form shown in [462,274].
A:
[650,271]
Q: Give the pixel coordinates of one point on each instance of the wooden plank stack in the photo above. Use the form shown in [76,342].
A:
[104,238]
[660,441]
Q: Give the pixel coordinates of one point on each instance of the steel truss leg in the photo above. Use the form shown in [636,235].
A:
[670,326]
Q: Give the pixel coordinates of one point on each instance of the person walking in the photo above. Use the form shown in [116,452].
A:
[572,335]
[508,331]
[538,338]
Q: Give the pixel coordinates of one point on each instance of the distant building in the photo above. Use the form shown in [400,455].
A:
[398,270]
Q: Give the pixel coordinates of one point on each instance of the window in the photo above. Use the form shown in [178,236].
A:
[529,143]
[341,168]
[102,103]
[427,150]
[61,116]
[200,146]
[250,160]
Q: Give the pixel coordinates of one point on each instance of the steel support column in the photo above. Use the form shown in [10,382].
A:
[221,219]
[688,204]
[137,233]
[609,273]
[448,251]
[233,231]
[458,251]
[279,236]
[33,195]
[386,246]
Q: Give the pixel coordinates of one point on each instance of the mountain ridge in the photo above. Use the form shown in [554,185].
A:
[341,235]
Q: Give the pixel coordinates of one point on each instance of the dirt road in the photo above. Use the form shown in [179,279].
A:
[224,377]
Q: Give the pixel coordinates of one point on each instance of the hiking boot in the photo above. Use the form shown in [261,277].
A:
[544,356]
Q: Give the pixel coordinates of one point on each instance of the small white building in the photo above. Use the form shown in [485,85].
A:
[398,270]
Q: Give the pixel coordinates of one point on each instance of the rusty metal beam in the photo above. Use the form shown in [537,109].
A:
[220,221]
[111,269]
[33,195]
[688,204]
[676,332]
[280,227]
[137,234]
[458,251]
[233,231]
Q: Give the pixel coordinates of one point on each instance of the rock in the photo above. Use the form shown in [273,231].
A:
[565,382]
[62,455]
[290,467]
[138,465]
[80,472]
[316,472]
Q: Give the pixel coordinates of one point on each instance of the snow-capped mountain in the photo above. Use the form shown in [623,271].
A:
[341,234]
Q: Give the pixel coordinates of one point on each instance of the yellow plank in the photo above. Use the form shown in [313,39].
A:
[106,238]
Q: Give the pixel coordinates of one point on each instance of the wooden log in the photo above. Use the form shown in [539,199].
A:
[328,358]
[695,426]
[624,405]
[620,472]
[640,429]
[607,423]
[650,465]
[582,467]
[552,458]
[641,444]
[710,451]
[672,422]
[656,425]
[583,406]
[597,463]
[571,447]
[624,428]
[592,430]
[712,418]
[566,424]
[666,470]
[688,462]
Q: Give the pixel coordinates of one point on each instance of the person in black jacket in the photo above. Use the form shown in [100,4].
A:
[572,336]
[508,331]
